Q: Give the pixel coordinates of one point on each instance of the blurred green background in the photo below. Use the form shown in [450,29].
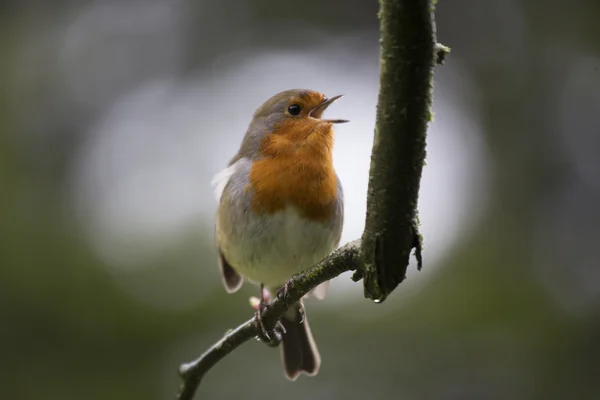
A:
[114,115]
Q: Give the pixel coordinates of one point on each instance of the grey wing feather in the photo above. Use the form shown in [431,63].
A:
[338,223]
[231,279]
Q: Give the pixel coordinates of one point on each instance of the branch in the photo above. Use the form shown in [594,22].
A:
[346,258]
[407,58]
[441,52]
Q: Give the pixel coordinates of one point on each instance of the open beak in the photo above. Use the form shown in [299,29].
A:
[318,111]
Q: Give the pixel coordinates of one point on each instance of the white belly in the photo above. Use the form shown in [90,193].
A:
[272,249]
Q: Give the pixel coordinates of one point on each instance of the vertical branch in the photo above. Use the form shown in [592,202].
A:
[407,59]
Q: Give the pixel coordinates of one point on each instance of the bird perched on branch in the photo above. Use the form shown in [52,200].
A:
[281,210]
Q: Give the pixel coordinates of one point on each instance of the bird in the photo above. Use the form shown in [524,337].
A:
[281,211]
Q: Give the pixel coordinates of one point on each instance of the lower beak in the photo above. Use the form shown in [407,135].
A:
[318,111]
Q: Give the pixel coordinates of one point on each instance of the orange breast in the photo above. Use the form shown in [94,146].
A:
[297,170]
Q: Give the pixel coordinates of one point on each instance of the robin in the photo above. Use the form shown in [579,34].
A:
[281,210]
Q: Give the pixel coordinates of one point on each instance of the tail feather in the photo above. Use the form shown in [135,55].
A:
[298,351]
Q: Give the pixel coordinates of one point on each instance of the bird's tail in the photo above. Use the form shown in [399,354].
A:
[299,352]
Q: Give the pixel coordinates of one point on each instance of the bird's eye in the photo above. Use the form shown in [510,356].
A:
[294,109]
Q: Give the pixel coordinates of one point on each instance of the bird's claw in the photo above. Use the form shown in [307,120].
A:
[270,338]
[283,291]
[301,313]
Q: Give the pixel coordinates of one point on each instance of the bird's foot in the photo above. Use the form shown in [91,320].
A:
[283,291]
[271,338]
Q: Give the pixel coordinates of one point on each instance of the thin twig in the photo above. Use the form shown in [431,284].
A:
[441,52]
[346,258]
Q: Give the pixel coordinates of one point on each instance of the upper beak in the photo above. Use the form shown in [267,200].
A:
[318,110]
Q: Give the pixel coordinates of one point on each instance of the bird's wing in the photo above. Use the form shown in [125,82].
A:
[231,279]
[221,178]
